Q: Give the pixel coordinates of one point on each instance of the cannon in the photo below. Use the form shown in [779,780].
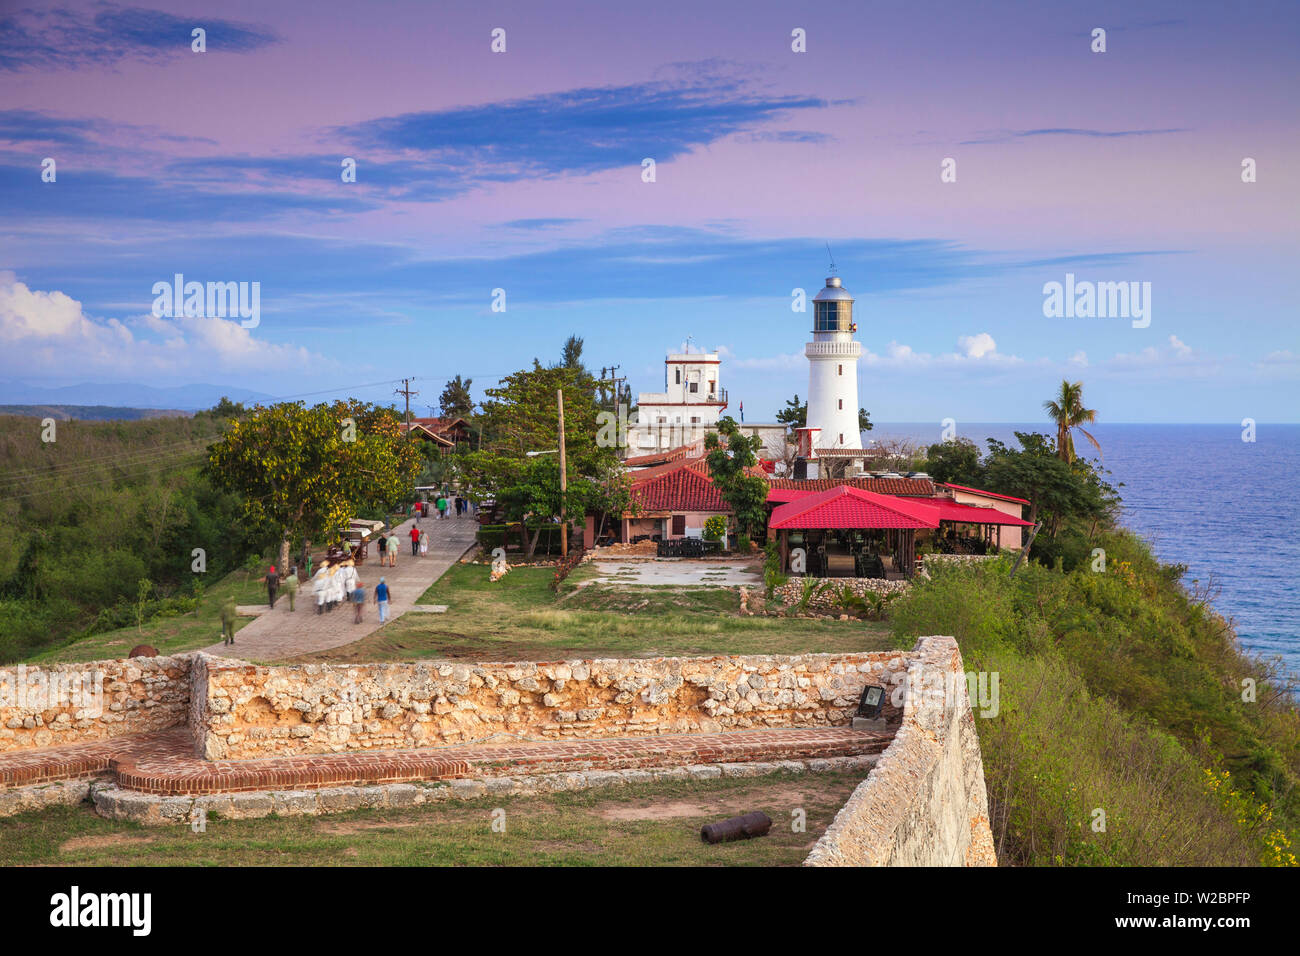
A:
[737,828]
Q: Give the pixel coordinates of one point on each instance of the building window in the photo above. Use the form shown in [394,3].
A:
[679,377]
[695,419]
[679,525]
[841,438]
[695,387]
[841,404]
[841,370]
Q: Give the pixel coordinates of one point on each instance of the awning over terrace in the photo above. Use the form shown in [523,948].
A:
[952,511]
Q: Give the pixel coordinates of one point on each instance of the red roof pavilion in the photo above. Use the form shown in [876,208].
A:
[847,507]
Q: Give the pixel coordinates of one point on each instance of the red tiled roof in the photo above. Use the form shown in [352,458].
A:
[658,457]
[699,465]
[987,494]
[847,507]
[904,487]
[682,489]
[952,511]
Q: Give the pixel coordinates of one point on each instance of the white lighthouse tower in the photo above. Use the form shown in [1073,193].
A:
[833,354]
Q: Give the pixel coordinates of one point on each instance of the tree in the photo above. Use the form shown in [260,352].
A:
[1057,492]
[572,355]
[303,471]
[731,455]
[520,415]
[455,401]
[795,413]
[956,460]
[1068,412]
[864,420]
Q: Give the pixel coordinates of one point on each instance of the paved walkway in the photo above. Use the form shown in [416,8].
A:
[164,762]
[279,634]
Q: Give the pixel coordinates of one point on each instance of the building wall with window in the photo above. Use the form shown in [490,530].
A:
[686,410]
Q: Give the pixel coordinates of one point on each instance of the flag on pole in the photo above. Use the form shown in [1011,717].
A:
[742,411]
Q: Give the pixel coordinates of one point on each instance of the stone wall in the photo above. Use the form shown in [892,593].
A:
[924,803]
[58,704]
[248,711]
[827,591]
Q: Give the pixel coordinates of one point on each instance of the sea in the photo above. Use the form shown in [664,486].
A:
[1204,497]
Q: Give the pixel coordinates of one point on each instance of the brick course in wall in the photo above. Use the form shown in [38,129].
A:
[248,711]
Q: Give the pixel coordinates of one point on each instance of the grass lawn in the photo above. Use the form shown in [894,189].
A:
[654,824]
[185,632]
[520,618]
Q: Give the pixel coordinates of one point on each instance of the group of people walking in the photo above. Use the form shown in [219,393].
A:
[445,504]
[336,581]
[336,584]
[387,544]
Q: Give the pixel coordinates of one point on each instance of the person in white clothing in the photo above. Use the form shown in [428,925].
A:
[349,579]
[320,586]
[335,587]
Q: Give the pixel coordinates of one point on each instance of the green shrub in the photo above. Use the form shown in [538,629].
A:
[1056,758]
[1136,660]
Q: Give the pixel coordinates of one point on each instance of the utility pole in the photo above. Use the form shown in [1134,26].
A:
[408,392]
[564,480]
[610,385]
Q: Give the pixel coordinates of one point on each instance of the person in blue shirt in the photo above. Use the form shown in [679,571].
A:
[358,599]
[381,598]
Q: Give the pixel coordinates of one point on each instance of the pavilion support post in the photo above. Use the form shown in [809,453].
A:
[785,549]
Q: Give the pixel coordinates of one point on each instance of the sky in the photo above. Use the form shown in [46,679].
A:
[523,171]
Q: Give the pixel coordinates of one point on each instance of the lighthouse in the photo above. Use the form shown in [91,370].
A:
[832,422]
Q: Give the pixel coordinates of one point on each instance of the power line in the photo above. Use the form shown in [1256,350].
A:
[110,461]
[156,468]
[82,473]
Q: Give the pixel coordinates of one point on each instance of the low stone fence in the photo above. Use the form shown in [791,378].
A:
[924,802]
[826,591]
[929,559]
[246,711]
[52,705]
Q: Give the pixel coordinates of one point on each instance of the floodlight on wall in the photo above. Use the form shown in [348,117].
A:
[871,702]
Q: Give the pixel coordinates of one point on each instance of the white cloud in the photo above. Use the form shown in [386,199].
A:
[977,346]
[1280,357]
[52,336]
[1079,358]
[794,360]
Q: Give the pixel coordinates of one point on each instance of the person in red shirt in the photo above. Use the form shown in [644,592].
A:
[415,541]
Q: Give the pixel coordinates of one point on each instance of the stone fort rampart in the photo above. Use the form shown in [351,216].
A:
[923,803]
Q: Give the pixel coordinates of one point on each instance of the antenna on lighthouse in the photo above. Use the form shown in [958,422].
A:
[831,256]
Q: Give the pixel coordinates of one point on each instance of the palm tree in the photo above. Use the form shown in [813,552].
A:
[1068,413]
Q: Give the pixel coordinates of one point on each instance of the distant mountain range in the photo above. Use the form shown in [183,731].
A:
[127,397]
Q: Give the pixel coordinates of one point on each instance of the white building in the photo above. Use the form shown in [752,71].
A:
[832,422]
[691,402]
[689,408]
